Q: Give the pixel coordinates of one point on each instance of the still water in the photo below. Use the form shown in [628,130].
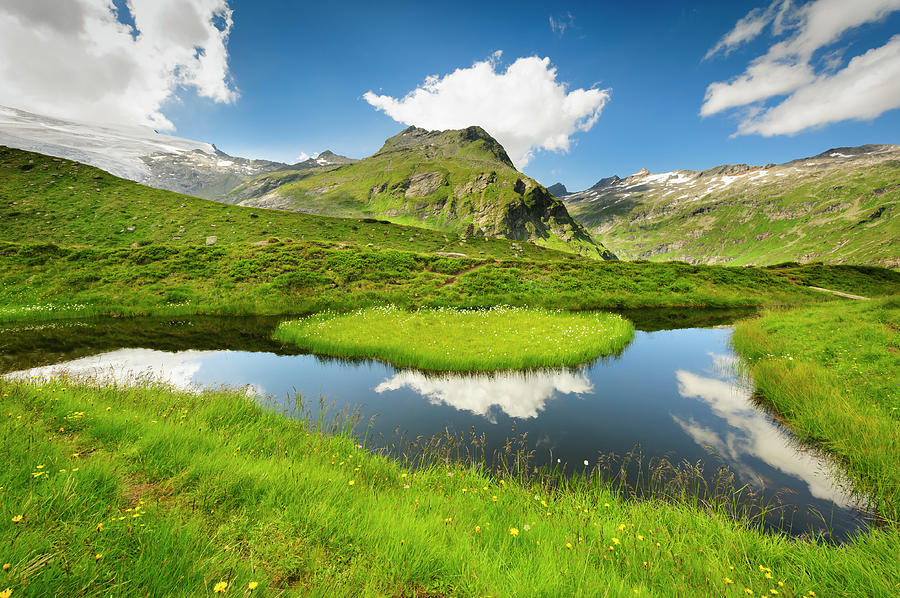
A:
[673,394]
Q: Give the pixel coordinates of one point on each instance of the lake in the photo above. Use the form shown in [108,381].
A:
[673,397]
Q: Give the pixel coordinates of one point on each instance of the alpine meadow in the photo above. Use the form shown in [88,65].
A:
[454,354]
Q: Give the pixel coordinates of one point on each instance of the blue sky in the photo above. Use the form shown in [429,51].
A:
[300,71]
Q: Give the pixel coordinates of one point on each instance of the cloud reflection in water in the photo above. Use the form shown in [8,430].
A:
[751,435]
[131,366]
[518,394]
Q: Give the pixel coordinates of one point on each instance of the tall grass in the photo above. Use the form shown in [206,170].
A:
[147,491]
[463,340]
[831,372]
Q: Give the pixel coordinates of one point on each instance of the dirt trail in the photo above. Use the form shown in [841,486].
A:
[456,276]
[840,294]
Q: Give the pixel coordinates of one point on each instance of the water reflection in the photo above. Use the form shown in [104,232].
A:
[751,435]
[671,392]
[129,366]
[517,394]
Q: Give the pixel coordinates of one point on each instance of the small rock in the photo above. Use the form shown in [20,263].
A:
[211,240]
[134,245]
[130,229]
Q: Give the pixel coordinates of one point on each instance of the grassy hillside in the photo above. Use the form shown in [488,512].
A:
[837,208]
[67,249]
[52,200]
[460,182]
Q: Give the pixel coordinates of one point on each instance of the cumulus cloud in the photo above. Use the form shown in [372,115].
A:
[524,107]
[79,60]
[819,89]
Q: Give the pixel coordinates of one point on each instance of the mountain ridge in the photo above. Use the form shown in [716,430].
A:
[835,206]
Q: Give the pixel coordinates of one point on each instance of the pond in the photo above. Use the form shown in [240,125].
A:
[673,395]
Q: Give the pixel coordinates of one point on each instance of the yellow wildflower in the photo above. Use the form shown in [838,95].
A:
[569,545]
[768,575]
[99,527]
[774,592]
[621,528]
[219,588]
[6,566]
[616,541]
[6,593]
[728,581]
[477,529]
[640,537]
[350,483]
[513,531]
[494,498]
[98,556]
[17,519]
[252,585]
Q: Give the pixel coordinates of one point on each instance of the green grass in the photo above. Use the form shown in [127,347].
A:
[194,490]
[48,281]
[831,372]
[463,340]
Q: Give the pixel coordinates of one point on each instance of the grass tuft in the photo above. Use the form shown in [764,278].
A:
[463,340]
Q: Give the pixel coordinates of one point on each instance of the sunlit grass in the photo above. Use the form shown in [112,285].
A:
[832,372]
[463,340]
[179,493]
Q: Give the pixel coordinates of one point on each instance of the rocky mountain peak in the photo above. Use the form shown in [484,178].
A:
[415,138]
[558,189]
[606,182]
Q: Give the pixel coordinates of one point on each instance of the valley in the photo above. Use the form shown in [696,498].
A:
[161,298]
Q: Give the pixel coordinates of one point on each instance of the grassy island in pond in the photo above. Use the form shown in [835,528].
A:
[463,340]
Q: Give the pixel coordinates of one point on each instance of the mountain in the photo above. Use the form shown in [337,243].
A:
[838,207]
[558,189]
[141,154]
[49,200]
[326,158]
[457,181]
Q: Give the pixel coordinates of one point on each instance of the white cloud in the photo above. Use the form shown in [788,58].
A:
[525,107]
[76,60]
[751,25]
[800,67]
[303,157]
[560,24]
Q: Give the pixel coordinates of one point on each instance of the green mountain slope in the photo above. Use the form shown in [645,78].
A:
[459,182]
[54,200]
[838,207]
